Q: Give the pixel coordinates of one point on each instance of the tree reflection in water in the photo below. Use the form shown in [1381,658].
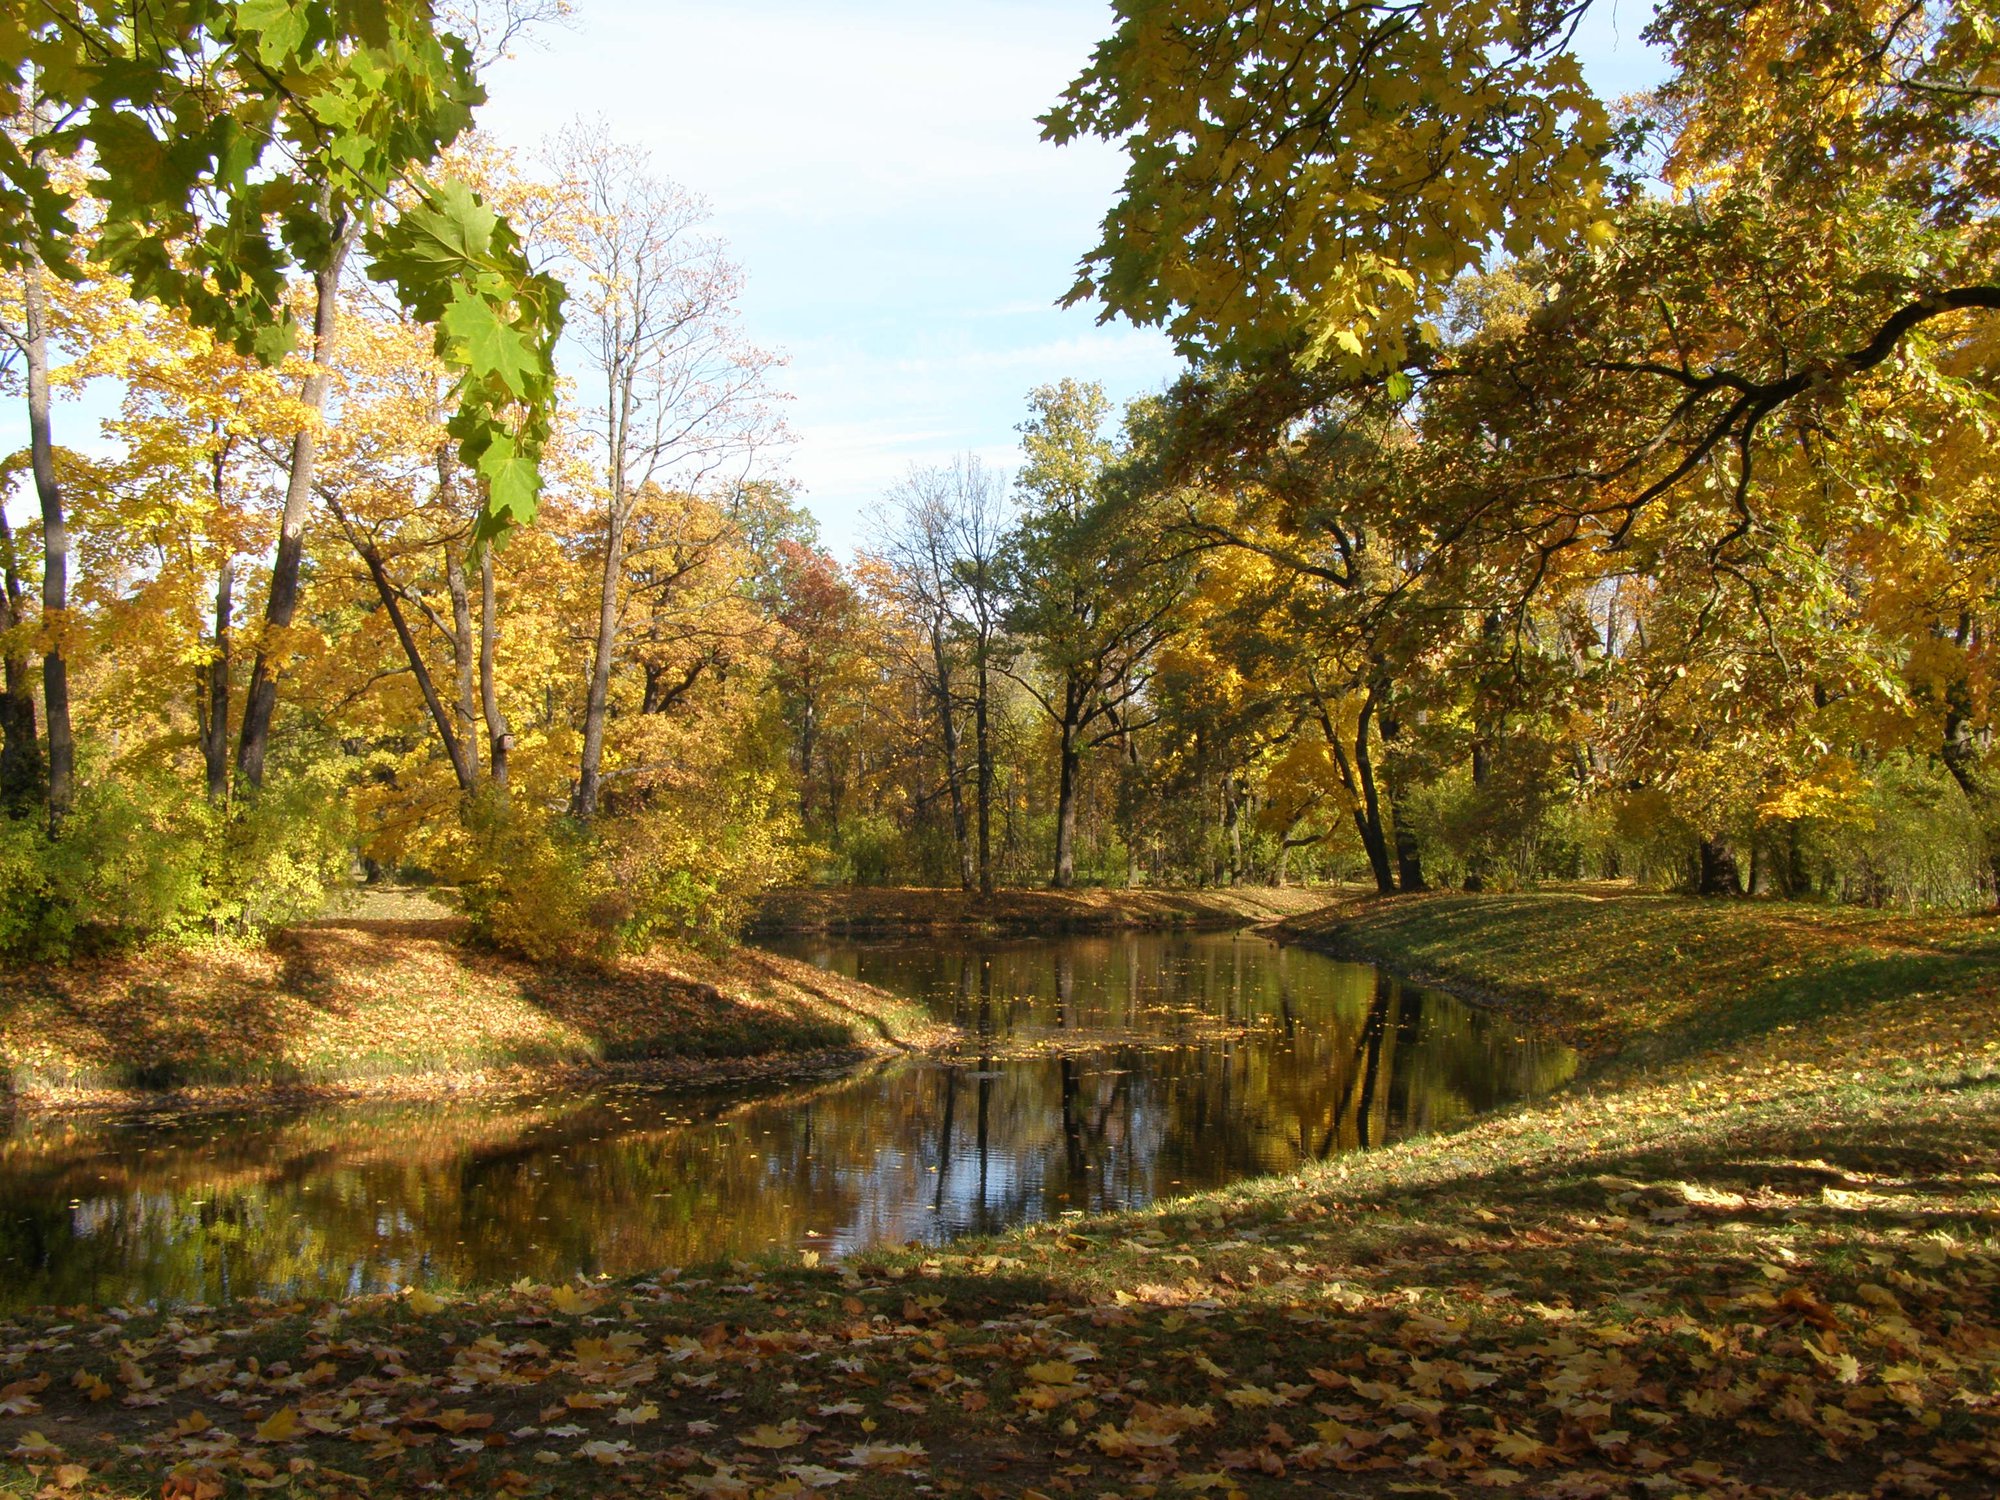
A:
[1098,1073]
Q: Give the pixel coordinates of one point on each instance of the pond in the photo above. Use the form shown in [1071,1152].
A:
[1095,1073]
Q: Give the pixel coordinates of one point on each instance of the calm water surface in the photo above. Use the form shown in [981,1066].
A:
[1096,1073]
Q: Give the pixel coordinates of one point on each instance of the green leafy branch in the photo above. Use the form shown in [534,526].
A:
[457,264]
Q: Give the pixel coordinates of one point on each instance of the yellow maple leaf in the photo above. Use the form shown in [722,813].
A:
[788,1434]
[280,1427]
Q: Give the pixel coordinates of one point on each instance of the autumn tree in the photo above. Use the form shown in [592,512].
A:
[941,530]
[1089,601]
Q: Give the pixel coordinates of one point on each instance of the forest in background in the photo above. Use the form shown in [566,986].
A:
[1554,492]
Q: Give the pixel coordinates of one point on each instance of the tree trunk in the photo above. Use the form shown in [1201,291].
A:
[1716,873]
[498,740]
[1409,857]
[1360,789]
[808,737]
[455,565]
[461,766]
[20,748]
[260,701]
[1232,827]
[215,690]
[1068,763]
[1476,864]
[1959,754]
[1762,882]
[1368,816]
[948,736]
[589,777]
[983,752]
[55,552]
[1798,875]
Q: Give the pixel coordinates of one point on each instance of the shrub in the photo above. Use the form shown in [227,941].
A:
[692,867]
[24,884]
[151,860]
[533,886]
[684,868]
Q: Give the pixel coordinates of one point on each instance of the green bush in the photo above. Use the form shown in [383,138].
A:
[1922,846]
[689,868]
[152,861]
[24,884]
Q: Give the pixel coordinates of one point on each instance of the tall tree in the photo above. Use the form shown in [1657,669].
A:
[1087,599]
[683,397]
[941,530]
[20,747]
[55,548]
[281,600]
[977,526]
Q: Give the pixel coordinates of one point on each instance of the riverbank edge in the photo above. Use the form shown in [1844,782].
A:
[1331,932]
[351,1011]
[443,1084]
[890,912]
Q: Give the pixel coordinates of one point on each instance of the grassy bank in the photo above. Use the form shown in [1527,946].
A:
[385,1005]
[1756,1256]
[1631,977]
[859,911]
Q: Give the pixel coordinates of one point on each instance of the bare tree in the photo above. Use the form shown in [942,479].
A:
[917,534]
[942,529]
[979,521]
[653,314]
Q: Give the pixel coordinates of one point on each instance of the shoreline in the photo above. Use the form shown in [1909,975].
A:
[689,1074]
[872,912]
[1632,976]
[358,1007]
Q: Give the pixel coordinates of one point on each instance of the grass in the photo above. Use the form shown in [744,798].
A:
[1630,977]
[375,1005]
[1757,1254]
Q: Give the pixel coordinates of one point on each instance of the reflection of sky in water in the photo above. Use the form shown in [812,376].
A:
[1097,1073]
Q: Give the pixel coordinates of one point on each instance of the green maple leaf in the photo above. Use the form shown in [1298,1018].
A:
[485,343]
[433,245]
[280,27]
[513,488]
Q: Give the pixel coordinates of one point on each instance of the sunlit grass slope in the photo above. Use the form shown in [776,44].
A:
[343,1002]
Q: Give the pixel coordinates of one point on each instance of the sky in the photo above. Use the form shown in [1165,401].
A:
[877,170]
